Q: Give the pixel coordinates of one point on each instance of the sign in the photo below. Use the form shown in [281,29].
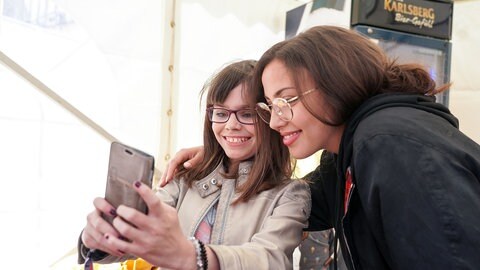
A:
[423,17]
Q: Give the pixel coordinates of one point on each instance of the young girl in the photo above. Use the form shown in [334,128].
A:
[238,205]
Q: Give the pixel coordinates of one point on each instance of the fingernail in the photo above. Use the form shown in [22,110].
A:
[113,212]
[138,184]
[187,164]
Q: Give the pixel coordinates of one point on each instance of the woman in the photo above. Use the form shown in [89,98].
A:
[407,193]
[238,206]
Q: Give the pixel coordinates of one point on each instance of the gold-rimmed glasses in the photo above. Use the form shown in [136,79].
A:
[282,107]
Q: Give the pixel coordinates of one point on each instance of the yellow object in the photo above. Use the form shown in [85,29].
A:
[138,264]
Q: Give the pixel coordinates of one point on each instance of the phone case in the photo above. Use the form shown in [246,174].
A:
[127,165]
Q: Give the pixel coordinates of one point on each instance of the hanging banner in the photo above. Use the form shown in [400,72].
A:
[423,17]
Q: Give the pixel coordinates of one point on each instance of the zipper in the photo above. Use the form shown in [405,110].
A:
[343,231]
[195,228]
[224,214]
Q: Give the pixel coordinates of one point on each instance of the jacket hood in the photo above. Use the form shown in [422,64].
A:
[379,102]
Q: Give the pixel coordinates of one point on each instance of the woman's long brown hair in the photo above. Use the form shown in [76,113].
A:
[347,69]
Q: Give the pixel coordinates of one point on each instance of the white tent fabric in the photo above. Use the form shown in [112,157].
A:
[465,91]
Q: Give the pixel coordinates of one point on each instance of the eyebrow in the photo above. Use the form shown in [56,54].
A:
[280,91]
[218,105]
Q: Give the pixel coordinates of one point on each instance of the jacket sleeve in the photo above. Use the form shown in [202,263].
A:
[170,193]
[422,200]
[82,252]
[98,256]
[273,245]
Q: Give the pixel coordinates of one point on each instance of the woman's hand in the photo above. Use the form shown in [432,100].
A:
[188,156]
[97,227]
[156,237]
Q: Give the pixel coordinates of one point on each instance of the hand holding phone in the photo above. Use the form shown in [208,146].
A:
[127,165]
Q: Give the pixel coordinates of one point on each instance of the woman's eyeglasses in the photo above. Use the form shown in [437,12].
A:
[221,115]
[282,107]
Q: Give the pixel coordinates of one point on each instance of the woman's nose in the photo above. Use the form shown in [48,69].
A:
[276,122]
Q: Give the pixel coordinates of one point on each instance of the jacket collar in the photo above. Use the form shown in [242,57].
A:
[213,181]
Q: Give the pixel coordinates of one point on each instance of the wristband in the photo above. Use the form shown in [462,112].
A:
[202,261]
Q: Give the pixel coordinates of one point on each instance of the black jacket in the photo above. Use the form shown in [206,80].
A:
[415,201]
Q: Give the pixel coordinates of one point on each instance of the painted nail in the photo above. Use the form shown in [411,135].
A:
[113,212]
[138,184]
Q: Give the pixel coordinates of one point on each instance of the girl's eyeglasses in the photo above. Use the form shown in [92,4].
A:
[222,115]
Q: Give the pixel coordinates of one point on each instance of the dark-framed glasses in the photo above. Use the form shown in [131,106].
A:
[282,107]
[222,115]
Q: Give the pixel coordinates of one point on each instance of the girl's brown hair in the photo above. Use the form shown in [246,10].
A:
[347,69]
[271,163]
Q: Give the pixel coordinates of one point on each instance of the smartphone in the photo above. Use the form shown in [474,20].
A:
[125,166]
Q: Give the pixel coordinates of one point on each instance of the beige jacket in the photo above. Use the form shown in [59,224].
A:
[259,234]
